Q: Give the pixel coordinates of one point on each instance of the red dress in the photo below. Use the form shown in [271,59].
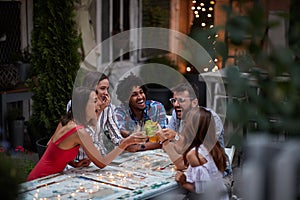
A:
[54,159]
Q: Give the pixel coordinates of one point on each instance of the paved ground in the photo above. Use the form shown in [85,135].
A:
[237,173]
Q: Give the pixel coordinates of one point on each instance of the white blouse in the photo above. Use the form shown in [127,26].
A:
[207,177]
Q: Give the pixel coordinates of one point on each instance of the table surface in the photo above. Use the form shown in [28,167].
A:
[138,175]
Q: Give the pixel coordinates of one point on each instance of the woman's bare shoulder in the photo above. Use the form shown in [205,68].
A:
[193,159]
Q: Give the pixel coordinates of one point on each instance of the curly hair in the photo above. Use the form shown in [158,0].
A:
[125,86]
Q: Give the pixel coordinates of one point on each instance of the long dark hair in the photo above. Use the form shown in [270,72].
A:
[80,98]
[206,135]
[91,79]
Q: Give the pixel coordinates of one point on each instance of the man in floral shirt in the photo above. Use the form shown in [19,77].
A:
[135,110]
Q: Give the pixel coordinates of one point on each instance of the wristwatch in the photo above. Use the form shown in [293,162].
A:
[143,146]
[176,138]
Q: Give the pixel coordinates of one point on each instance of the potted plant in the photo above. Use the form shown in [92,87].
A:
[54,64]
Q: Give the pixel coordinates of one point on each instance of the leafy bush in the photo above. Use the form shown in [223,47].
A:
[55,61]
[276,108]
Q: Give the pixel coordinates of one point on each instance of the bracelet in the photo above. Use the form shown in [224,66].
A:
[164,141]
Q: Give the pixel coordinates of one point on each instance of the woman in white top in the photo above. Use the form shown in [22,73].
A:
[205,158]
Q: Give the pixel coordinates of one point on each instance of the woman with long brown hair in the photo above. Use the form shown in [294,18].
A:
[71,134]
[205,158]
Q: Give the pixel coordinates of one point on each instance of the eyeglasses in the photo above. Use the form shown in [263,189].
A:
[180,100]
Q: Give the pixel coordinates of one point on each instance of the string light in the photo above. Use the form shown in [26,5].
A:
[203,11]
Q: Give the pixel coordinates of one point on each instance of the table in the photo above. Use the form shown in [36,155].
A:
[141,175]
[21,93]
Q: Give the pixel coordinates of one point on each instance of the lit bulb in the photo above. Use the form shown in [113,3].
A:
[194,1]
[193,7]
[196,12]
[216,68]
[203,9]
[210,8]
[212,2]
[201,4]
[208,15]
[216,59]
[216,35]
[205,69]
[203,24]
[188,69]
[198,7]
[211,26]
[197,16]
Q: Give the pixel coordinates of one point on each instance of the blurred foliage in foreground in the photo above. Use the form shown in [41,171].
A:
[275,107]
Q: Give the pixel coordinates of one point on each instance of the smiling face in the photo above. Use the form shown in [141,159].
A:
[102,89]
[183,103]
[137,100]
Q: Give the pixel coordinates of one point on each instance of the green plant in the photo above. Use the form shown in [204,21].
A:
[14,169]
[275,108]
[55,61]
